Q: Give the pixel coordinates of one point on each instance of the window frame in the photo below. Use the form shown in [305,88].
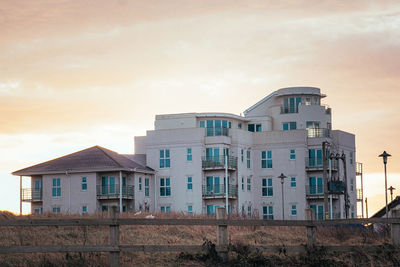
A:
[165,187]
[56,188]
[292,154]
[189,156]
[189,185]
[165,158]
[84,184]
[267,187]
[268,212]
[146,187]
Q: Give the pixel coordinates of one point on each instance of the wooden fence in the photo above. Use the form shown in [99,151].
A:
[222,222]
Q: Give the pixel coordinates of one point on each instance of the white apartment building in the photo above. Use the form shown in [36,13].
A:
[180,165]
[282,133]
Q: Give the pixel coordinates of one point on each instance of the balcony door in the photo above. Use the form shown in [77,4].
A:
[212,154]
[315,157]
[37,192]
[318,211]
[107,185]
[213,185]
[316,186]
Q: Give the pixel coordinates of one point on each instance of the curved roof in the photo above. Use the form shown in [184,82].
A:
[91,159]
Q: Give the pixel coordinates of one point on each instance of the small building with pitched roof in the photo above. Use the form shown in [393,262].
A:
[89,181]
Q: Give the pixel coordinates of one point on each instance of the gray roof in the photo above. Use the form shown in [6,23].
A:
[88,160]
[139,158]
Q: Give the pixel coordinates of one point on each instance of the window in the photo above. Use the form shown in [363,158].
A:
[316,186]
[56,210]
[190,209]
[248,184]
[286,126]
[351,158]
[56,190]
[314,157]
[258,128]
[213,185]
[202,124]
[294,210]
[351,184]
[229,124]
[165,187]
[293,182]
[250,127]
[146,187]
[308,101]
[242,154]
[189,183]
[249,211]
[239,125]
[242,183]
[267,189]
[291,104]
[268,212]
[140,183]
[164,158]
[104,208]
[37,211]
[312,124]
[292,154]
[108,186]
[189,154]
[84,209]
[217,128]
[248,159]
[84,184]
[165,209]
[266,159]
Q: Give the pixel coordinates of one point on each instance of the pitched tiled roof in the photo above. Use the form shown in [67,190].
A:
[139,158]
[88,160]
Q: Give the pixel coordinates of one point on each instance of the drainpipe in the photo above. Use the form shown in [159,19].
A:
[226,182]
[120,191]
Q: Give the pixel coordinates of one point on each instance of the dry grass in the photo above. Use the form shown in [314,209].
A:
[176,235]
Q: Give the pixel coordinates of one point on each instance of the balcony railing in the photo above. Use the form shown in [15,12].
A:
[359,195]
[219,190]
[31,194]
[112,191]
[316,163]
[314,190]
[290,109]
[318,132]
[359,168]
[217,131]
[219,162]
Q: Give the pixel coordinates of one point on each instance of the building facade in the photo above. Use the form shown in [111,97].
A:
[182,164]
[281,134]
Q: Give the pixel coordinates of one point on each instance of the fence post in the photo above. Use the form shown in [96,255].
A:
[310,215]
[114,237]
[395,233]
[222,234]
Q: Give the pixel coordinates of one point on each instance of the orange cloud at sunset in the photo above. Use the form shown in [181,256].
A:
[70,70]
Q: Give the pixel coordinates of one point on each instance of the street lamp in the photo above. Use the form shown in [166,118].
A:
[282,176]
[385,155]
[391,188]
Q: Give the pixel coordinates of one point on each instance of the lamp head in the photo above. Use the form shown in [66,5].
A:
[385,155]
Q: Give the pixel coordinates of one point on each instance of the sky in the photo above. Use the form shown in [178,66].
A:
[74,74]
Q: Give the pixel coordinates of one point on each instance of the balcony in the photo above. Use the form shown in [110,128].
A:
[315,164]
[359,168]
[213,163]
[314,191]
[290,109]
[318,133]
[359,195]
[112,191]
[218,191]
[336,187]
[32,195]
[217,131]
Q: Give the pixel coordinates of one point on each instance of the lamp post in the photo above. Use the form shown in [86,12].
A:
[282,176]
[391,188]
[385,155]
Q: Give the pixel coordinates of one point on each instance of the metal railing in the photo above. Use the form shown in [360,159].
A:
[113,190]
[32,194]
[318,132]
[290,109]
[218,162]
[317,163]
[219,190]
[314,190]
[217,131]
[359,168]
[359,194]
